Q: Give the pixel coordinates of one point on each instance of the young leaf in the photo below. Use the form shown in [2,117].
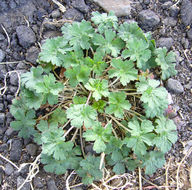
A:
[100,135]
[49,88]
[138,50]
[117,104]
[79,100]
[51,51]
[108,45]
[89,170]
[152,161]
[99,88]
[141,136]
[81,114]
[24,123]
[58,116]
[78,34]
[99,105]
[78,74]
[154,97]
[166,134]
[105,21]
[30,79]
[96,64]
[124,70]
[165,61]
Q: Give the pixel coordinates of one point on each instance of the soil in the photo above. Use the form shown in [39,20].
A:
[25,24]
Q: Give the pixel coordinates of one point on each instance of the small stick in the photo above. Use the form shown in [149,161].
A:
[166,175]
[178,169]
[68,131]
[81,141]
[79,184]
[140,179]
[8,39]
[150,182]
[6,159]
[61,7]
[67,180]
[75,134]
[114,82]
[102,160]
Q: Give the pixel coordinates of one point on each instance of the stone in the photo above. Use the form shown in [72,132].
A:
[165,42]
[170,21]
[146,2]
[22,66]
[10,98]
[174,11]
[166,5]
[179,59]
[26,36]
[2,55]
[148,19]
[2,118]
[80,5]
[20,181]
[9,169]
[37,182]
[51,185]
[56,14]
[51,34]
[3,147]
[2,37]
[32,54]
[3,72]
[190,105]
[16,149]
[185,43]
[1,107]
[186,13]
[31,149]
[189,34]
[120,7]
[73,14]
[9,132]
[14,79]
[174,86]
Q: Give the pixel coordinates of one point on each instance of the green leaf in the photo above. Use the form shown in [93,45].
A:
[117,104]
[152,161]
[89,170]
[105,21]
[79,100]
[79,34]
[130,30]
[124,70]
[154,97]
[81,114]
[96,64]
[58,116]
[165,61]
[108,45]
[30,79]
[119,168]
[61,166]
[32,99]
[78,74]
[24,123]
[100,135]
[166,134]
[141,136]
[99,88]
[99,105]
[138,50]
[53,51]
[49,88]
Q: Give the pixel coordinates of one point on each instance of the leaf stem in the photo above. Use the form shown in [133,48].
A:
[81,141]
[88,98]
[114,82]
[114,119]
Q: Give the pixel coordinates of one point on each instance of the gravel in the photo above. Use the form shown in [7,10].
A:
[165,42]
[174,86]
[73,14]
[26,36]
[16,149]
[9,169]
[51,185]
[2,55]
[148,19]
[20,181]
[80,5]
[186,13]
